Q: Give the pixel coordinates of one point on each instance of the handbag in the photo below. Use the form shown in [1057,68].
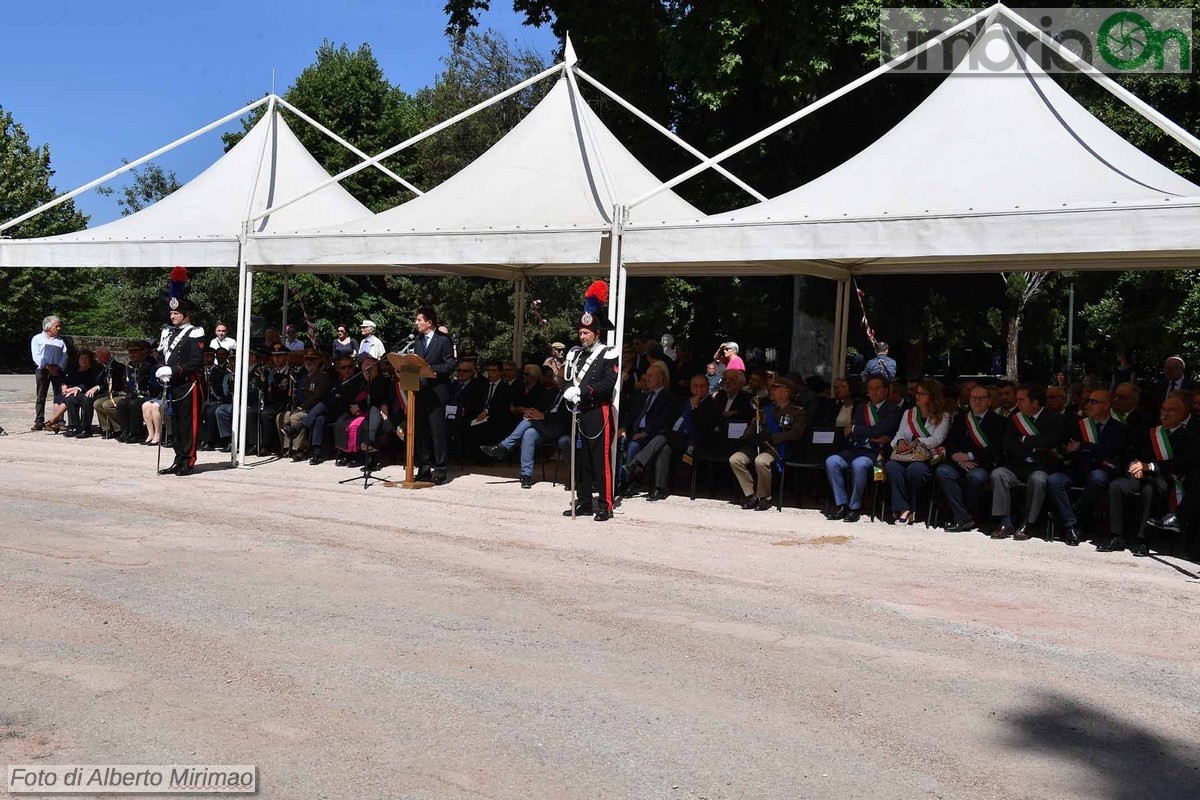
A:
[918,452]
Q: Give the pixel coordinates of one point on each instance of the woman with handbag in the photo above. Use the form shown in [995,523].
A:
[916,448]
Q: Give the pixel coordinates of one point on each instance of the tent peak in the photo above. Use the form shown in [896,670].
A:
[569,57]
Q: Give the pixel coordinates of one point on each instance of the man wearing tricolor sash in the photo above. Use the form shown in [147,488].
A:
[1093,453]
[974,445]
[1126,398]
[868,437]
[1031,453]
[1157,460]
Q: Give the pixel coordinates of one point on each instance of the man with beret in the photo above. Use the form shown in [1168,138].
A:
[297,425]
[183,354]
[765,443]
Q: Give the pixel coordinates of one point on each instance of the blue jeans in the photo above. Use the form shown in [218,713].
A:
[1094,487]
[952,480]
[907,480]
[529,434]
[836,468]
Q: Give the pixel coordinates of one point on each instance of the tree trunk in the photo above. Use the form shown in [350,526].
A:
[1012,336]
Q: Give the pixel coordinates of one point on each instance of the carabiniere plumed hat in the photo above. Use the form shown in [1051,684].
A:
[177,292]
[594,316]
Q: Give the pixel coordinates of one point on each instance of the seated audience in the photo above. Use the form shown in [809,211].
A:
[1093,453]
[1056,399]
[732,403]
[111,389]
[1006,398]
[140,385]
[656,456]
[922,430]
[646,415]
[308,407]
[1126,399]
[974,446]
[764,445]
[81,384]
[1031,453]
[543,421]
[868,436]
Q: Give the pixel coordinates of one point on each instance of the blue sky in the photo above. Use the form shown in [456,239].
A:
[102,81]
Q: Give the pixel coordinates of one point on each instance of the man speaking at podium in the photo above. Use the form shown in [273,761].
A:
[437,349]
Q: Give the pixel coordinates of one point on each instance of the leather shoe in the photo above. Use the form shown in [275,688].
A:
[37,426]
[580,510]
[171,470]
[838,513]
[1167,522]
[184,469]
[603,515]
[1113,545]
[1023,533]
[317,460]
[960,527]
[853,515]
[1139,549]
[764,504]
[1002,532]
[1071,536]
[439,478]
[749,502]
[84,435]
[341,461]
[654,496]
[526,481]
[493,451]
[71,433]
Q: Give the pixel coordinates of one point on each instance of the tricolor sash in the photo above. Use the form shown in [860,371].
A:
[976,430]
[1160,441]
[1025,424]
[872,414]
[1119,417]
[1089,431]
[916,422]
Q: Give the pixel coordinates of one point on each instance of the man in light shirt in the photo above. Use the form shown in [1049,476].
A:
[222,341]
[49,353]
[370,344]
[289,338]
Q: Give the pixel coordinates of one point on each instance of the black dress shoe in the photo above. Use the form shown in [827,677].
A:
[226,448]
[580,510]
[838,513]
[1023,533]
[960,527]
[70,433]
[764,504]
[84,435]
[636,471]
[526,481]
[340,461]
[1071,536]
[1167,522]
[184,469]
[493,451]
[424,475]
[206,447]
[171,470]
[1002,532]
[749,502]
[603,515]
[439,478]
[37,426]
[853,515]
[653,496]
[1113,545]
[285,452]
[1139,549]
[317,460]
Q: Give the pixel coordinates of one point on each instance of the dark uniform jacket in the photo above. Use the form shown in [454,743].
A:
[185,354]
[112,377]
[776,442]
[1028,453]
[960,440]
[711,412]
[597,385]
[314,388]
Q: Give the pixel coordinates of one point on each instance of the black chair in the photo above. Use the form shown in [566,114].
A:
[809,455]
[714,450]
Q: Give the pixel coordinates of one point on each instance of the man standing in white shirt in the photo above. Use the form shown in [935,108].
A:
[370,344]
[222,341]
[49,353]
[289,338]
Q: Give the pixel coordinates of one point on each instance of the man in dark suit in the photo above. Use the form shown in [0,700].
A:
[1031,453]
[1093,453]
[1157,462]
[1174,379]
[973,447]
[492,420]
[730,403]
[869,434]
[545,418]
[437,349]
[1126,399]
[648,414]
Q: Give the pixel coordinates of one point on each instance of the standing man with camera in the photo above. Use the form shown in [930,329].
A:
[49,353]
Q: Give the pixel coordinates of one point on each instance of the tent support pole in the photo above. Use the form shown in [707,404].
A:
[239,380]
[838,322]
[815,106]
[391,151]
[622,284]
[347,145]
[132,164]
[616,315]
[844,341]
[637,112]
[239,411]
[283,324]
[519,290]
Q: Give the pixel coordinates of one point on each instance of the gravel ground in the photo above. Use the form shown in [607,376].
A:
[466,641]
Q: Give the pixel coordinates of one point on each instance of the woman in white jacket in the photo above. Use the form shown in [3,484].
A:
[926,423]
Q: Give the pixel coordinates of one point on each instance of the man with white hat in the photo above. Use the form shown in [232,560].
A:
[370,344]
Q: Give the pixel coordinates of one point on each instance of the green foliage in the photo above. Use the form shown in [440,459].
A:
[28,295]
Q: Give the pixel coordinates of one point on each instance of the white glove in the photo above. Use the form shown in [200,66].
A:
[571,395]
[163,374]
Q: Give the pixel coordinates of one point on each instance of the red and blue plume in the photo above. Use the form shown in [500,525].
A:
[595,297]
[178,282]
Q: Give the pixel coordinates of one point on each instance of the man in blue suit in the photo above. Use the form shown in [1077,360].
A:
[869,434]
[1093,450]
[437,349]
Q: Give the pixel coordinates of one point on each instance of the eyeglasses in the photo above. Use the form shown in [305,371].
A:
[1094,402]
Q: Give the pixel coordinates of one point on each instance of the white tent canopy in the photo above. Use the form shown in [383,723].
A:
[999,168]
[200,224]
[539,200]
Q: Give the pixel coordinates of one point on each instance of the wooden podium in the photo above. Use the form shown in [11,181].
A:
[409,371]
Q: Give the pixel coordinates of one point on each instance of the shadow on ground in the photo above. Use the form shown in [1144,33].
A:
[1124,760]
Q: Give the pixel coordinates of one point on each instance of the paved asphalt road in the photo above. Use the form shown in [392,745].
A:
[466,641]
